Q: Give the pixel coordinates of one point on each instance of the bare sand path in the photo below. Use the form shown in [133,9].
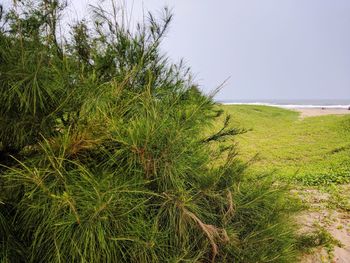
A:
[336,221]
[307,112]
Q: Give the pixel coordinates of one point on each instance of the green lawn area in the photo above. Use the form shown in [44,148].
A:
[314,150]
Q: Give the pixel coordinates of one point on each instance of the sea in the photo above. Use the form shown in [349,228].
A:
[292,104]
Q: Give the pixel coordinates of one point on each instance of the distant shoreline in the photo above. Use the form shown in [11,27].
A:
[292,106]
[304,110]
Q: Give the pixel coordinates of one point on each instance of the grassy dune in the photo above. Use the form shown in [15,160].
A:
[314,154]
[313,151]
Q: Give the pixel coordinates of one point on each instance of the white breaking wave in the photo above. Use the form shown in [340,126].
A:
[289,106]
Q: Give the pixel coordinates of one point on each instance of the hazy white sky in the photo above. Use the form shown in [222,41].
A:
[270,49]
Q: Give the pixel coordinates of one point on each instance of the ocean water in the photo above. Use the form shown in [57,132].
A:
[330,104]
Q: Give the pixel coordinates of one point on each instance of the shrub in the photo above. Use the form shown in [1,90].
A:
[111,155]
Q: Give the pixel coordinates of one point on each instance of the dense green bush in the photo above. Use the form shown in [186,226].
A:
[107,154]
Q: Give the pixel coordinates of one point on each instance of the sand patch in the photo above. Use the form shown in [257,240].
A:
[307,112]
[335,221]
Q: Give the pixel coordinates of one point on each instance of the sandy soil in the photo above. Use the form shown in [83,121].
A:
[307,112]
[335,221]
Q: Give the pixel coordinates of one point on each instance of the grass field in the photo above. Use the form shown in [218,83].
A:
[313,151]
[313,154]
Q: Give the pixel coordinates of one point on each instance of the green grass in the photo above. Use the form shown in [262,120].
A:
[313,150]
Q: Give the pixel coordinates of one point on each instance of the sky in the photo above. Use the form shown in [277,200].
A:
[269,49]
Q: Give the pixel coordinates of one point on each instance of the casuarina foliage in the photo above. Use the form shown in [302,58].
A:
[110,153]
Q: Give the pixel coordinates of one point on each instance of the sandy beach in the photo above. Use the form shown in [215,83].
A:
[307,112]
